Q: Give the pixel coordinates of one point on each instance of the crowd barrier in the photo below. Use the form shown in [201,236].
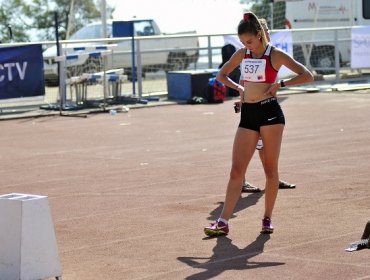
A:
[326,57]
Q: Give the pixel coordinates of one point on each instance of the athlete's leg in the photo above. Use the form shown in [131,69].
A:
[271,137]
[244,145]
[248,187]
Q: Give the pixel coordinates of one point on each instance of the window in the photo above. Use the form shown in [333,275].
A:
[87,32]
[91,32]
[144,28]
[366,9]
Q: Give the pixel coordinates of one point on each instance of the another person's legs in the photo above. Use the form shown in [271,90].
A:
[282,184]
[286,185]
[249,188]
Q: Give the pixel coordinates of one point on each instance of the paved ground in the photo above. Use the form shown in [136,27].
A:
[131,193]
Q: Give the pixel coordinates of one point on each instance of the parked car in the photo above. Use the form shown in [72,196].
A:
[160,52]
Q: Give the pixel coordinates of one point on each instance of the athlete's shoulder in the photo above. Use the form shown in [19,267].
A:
[239,54]
[241,51]
[279,53]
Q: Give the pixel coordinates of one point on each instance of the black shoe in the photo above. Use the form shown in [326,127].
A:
[248,188]
[285,185]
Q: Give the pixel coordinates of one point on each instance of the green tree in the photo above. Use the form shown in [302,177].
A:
[9,18]
[43,13]
[38,16]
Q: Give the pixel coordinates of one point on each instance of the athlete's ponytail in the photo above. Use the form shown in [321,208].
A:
[251,24]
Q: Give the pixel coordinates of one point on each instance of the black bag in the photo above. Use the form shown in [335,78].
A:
[227,51]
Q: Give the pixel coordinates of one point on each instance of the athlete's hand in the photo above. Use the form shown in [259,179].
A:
[237,106]
[273,89]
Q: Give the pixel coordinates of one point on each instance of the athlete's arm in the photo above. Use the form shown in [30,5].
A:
[303,74]
[280,58]
[228,67]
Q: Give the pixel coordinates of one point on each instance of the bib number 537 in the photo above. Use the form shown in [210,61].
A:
[250,68]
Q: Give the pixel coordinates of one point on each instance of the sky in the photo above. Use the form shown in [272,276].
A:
[203,16]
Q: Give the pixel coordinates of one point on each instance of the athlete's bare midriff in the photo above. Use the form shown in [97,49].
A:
[255,92]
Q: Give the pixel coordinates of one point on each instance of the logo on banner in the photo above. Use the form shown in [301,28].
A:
[6,70]
[360,47]
[283,45]
[21,72]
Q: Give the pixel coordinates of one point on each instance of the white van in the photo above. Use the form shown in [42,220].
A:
[319,46]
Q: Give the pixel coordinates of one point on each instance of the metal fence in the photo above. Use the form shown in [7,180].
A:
[325,51]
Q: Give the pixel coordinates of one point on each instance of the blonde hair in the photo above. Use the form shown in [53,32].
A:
[263,23]
[265,28]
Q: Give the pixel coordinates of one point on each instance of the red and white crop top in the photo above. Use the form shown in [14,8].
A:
[258,70]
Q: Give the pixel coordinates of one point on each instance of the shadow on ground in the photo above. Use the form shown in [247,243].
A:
[227,256]
[243,203]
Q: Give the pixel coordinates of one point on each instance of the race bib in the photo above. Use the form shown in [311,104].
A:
[253,70]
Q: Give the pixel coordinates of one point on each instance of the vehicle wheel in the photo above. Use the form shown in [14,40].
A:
[298,54]
[128,72]
[176,62]
[52,82]
[73,71]
[93,65]
[323,57]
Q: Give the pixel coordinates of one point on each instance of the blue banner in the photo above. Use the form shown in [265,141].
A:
[21,72]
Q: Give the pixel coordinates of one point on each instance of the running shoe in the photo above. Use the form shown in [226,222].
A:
[267,225]
[285,185]
[217,229]
[249,188]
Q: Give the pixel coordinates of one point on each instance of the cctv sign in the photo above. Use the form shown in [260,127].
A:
[7,69]
[21,72]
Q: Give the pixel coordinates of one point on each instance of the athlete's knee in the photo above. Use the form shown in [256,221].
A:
[271,171]
[236,172]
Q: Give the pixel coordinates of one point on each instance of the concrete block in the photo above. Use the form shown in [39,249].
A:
[28,244]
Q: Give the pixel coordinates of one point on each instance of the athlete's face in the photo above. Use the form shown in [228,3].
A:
[250,41]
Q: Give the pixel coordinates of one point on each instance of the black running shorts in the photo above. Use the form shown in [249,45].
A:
[265,112]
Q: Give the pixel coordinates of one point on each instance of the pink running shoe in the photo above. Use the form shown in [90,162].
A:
[217,229]
[267,225]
